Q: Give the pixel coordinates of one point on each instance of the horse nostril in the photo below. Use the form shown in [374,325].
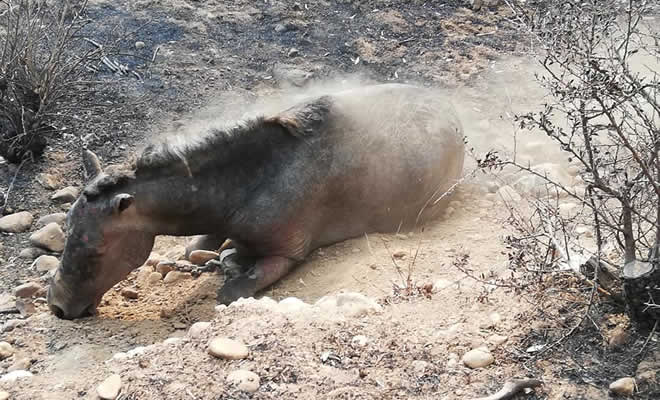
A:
[59,313]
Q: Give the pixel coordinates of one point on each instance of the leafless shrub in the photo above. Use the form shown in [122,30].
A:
[603,112]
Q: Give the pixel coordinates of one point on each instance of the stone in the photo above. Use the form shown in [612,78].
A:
[6,350]
[173,276]
[293,52]
[201,257]
[16,223]
[508,194]
[618,337]
[197,329]
[359,341]
[12,324]
[165,267]
[228,349]
[154,259]
[624,386]
[154,278]
[129,293]
[31,253]
[50,237]
[4,395]
[139,45]
[478,358]
[48,181]
[23,363]
[497,340]
[109,389]
[27,289]
[58,218]
[420,366]
[46,263]
[246,381]
[143,273]
[67,195]
[476,4]
[400,254]
[15,375]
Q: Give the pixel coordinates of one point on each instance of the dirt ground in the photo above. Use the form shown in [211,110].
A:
[208,56]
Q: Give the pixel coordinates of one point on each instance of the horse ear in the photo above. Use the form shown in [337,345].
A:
[91,164]
[303,120]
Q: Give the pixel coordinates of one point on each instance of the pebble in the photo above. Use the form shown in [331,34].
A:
[27,289]
[359,341]
[67,195]
[46,263]
[497,340]
[400,254]
[164,267]
[154,278]
[228,349]
[508,194]
[14,375]
[246,381]
[50,237]
[173,276]
[6,350]
[48,181]
[20,364]
[16,223]
[31,253]
[4,395]
[129,293]
[201,257]
[452,361]
[623,386]
[197,329]
[58,218]
[478,358]
[139,45]
[109,388]
[293,52]
[420,366]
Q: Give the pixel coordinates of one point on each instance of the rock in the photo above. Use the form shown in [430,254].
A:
[27,289]
[58,218]
[31,253]
[400,254]
[12,324]
[476,4]
[293,52]
[4,395]
[15,375]
[197,329]
[359,341]
[67,195]
[508,194]
[129,293]
[154,278]
[23,363]
[165,267]
[623,386]
[478,358]
[618,337]
[201,257]
[25,307]
[154,259]
[279,28]
[48,181]
[6,350]
[246,381]
[143,273]
[497,340]
[172,340]
[228,349]
[174,276]
[46,263]
[285,74]
[109,389]
[16,223]
[139,45]
[50,237]
[420,366]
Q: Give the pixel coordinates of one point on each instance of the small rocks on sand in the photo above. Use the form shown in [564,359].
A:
[228,349]
[497,340]
[198,328]
[293,52]
[67,195]
[16,223]
[359,341]
[173,276]
[618,337]
[129,293]
[624,386]
[164,267]
[201,257]
[6,350]
[48,181]
[50,237]
[15,375]
[27,289]
[246,381]
[154,278]
[58,218]
[139,45]
[420,366]
[46,263]
[478,358]
[109,389]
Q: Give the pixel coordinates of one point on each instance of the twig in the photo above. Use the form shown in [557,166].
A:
[153,58]
[11,186]
[512,387]
[648,339]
